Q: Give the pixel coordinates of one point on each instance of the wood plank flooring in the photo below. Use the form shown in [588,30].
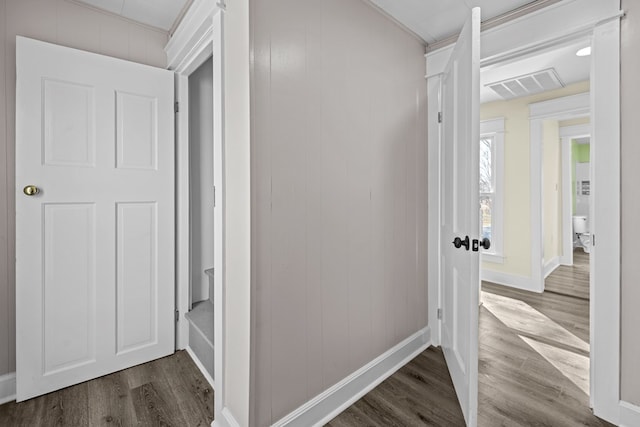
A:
[571,280]
[534,359]
[166,392]
[533,370]
[420,393]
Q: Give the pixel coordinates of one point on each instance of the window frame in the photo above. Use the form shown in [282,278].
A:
[494,128]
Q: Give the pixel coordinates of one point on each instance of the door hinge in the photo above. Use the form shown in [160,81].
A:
[593,240]
[439,314]
[214,196]
[439,117]
[177,316]
[176,107]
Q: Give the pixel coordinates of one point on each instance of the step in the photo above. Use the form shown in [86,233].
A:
[201,333]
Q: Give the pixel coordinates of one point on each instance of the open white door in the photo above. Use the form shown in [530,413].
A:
[460,215]
[94,216]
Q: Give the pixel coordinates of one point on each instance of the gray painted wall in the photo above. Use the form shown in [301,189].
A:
[68,24]
[339,195]
[630,133]
[345,38]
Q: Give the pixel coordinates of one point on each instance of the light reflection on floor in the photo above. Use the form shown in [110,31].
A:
[575,367]
[529,323]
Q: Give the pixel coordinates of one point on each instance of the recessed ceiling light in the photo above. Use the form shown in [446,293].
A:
[585,51]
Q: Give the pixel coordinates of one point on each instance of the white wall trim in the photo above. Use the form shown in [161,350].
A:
[495,128]
[434,87]
[199,36]
[629,414]
[492,126]
[226,419]
[229,418]
[576,131]
[193,32]
[510,280]
[200,366]
[566,107]
[567,200]
[492,258]
[550,266]
[535,206]
[7,387]
[604,222]
[327,405]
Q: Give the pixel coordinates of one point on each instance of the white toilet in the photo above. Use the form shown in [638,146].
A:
[583,237]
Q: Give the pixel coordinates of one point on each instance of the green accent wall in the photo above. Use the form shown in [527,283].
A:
[580,153]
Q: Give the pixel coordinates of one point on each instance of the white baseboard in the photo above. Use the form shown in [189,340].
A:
[226,420]
[629,414]
[327,405]
[550,265]
[201,367]
[7,387]
[566,260]
[510,280]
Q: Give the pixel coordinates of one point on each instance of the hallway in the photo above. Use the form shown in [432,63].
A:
[533,367]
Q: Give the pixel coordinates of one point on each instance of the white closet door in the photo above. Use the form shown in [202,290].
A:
[95,241]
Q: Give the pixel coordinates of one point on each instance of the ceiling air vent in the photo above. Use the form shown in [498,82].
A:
[528,84]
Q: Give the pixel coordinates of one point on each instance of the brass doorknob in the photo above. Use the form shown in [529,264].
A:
[30,190]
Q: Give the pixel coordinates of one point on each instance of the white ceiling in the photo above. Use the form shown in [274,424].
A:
[157,13]
[569,67]
[435,20]
[432,20]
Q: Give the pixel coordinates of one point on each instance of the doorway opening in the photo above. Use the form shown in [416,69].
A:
[598,23]
[201,216]
[534,339]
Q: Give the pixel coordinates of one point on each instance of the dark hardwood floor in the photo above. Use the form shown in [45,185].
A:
[533,366]
[534,359]
[573,280]
[420,393]
[167,392]
[533,371]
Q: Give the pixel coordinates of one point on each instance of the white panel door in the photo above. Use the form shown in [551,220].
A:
[95,241]
[460,215]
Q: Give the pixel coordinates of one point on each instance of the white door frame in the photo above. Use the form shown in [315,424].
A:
[556,25]
[199,37]
[567,134]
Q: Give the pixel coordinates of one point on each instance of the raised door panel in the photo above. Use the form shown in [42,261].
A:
[68,124]
[137,143]
[137,272]
[69,280]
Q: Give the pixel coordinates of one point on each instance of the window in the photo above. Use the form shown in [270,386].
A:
[491,186]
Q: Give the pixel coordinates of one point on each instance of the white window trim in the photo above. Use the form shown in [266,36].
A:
[495,128]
